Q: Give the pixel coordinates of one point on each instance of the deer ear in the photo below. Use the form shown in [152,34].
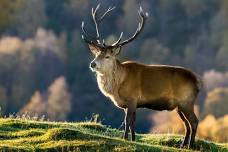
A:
[116,50]
[94,49]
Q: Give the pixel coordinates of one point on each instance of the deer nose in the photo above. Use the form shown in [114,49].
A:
[93,65]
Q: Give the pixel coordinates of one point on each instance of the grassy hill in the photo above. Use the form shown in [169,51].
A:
[28,135]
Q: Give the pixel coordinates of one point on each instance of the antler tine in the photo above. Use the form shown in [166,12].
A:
[87,37]
[96,19]
[103,43]
[119,39]
[86,40]
[94,12]
[139,28]
[91,42]
[108,11]
[84,31]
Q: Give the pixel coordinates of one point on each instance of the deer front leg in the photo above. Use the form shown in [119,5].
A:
[132,126]
[129,112]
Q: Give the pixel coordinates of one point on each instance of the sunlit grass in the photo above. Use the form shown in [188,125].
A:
[31,135]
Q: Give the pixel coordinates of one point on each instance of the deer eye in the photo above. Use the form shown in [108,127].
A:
[107,57]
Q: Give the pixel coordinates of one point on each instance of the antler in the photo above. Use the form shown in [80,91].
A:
[143,16]
[88,38]
[96,20]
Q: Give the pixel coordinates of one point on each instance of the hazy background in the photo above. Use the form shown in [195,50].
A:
[44,65]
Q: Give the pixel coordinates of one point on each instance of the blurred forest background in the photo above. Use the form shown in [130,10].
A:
[44,65]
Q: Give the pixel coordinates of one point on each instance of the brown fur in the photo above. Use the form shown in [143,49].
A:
[158,87]
[131,85]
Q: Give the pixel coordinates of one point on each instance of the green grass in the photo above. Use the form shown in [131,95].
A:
[27,135]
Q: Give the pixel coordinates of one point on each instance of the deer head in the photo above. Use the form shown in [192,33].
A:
[105,55]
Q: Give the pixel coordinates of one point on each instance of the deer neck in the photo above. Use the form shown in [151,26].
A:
[110,81]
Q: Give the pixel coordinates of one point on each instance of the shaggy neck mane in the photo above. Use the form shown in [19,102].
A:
[109,82]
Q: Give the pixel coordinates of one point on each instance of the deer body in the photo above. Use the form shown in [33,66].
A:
[157,87]
[131,85]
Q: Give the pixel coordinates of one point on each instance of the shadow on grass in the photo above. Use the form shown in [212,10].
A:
[176,140]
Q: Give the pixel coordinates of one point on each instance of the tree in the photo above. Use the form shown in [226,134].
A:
[153,52]
[216,102]
[36,106]
[215,129]
[55,104]
[59,100]
[193,8]
[77,8]
[168,122]
[222,55]
[3,100]
[31,17]
[213,79]
[8,8]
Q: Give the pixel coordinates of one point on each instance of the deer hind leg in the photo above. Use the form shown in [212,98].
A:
[132,126]
[187,128]
[129,112]
[193,121]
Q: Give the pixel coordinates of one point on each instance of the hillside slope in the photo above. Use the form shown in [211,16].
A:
[27,135]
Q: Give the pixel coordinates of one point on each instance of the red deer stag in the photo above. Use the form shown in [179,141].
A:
[131,85]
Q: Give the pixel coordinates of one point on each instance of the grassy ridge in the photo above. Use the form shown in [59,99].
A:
[27,135]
